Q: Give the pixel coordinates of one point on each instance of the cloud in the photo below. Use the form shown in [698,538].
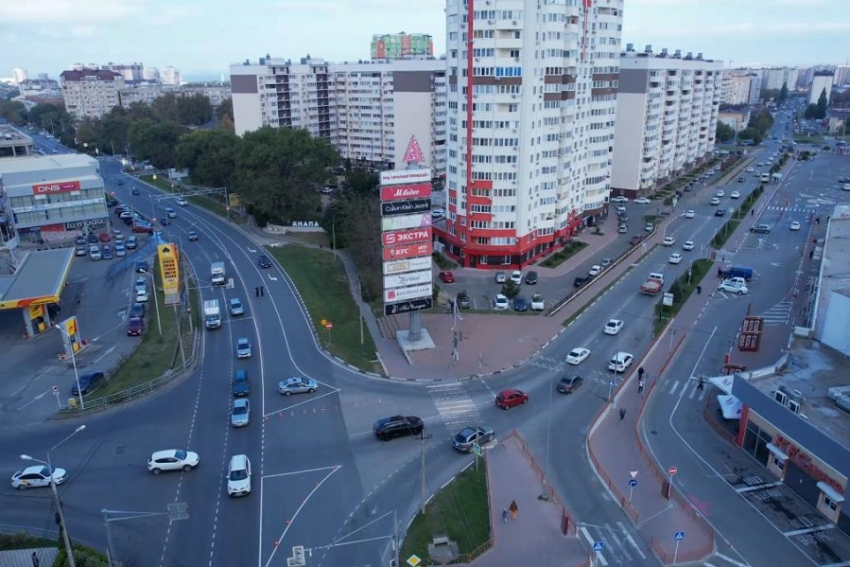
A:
[752,29]
[63,11]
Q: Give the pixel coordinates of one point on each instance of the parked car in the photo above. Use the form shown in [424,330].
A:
[501,277]
[520,303]
[463,301]
[135,327]
[635,240]
[578,355]
[580,281]
[89,381]
[472,435]
[173,460]
[569,384]
[142,228]
[240,412]
[642,201]
[447,277]
[141,267]
[531,278]
[137,310]
[297,385]
[516,277]
[94,252]
[142,296]
[620,199]
[733,287]
[104,237]
[506,399]
[595,270]
[107,252]
[80,251]
[537,303]
[398,426]
[38,476]
[500,303]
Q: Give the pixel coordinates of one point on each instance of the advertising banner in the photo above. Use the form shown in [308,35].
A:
[395,208]
[409,265]
[169,268]
[406,236]
[404,192]
[419,220]
[406,293]
[408,306]
[410,278]
[408,251]
[397,177]
[60,187]
[70,333]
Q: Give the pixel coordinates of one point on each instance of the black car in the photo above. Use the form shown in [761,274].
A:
[520,303]
[135,191]
[719,212]
[93,238]
[264,262]
[463,301]
[580,281]
[531,278]
[398,426]
[141,266]
[137,310]
[569,384]
[88,382]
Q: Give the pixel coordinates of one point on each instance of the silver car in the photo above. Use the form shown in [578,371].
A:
[240,413]
[297,385]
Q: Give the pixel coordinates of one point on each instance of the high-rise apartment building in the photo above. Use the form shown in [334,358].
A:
[842,75]
[737,86]
[150,74]
[667,108]
[821,81]
[132,73]
[532,89]
[170,76]
[367,110]
[90,93]
[402,46]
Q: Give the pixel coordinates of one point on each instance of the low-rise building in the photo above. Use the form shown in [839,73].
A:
[736,117]
[14,143]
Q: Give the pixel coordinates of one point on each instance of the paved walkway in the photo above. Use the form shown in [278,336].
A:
[535,537]
[23,557]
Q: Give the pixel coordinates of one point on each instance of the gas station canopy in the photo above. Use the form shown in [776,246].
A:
[39,279]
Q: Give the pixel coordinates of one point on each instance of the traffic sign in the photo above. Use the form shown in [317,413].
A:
[598,546]
[329,326]
[672,471]
[413,561]
[633,474]
[55,389]
[679,536]
[632,483]
[476,448]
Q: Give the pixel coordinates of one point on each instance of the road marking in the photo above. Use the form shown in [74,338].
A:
[631,540]
[35,399]
[252,250]
[744,489]
[808,530]
[730,560]
[272,278]
[842,564]
[673,388]
[102,356]
[308,401]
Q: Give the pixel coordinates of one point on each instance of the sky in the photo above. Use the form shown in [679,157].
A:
[203,37]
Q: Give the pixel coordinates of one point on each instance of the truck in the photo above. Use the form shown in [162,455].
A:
[212,314]
[217,273]
[736,272]
[653,284]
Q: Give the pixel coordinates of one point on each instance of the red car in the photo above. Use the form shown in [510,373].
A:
[104,237]
[143,228]
[506,399]
[135,327]
[447,277]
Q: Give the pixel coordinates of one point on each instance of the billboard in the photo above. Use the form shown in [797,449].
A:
[419,220]
[409,265]
[410,278]
[169,268]
[51,188]
[408,251]
[403,192]
[395,208]
[408,306]
[406,236]
[406,293]
[399,176]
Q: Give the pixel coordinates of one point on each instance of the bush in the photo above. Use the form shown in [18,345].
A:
[22,540]
[83,556]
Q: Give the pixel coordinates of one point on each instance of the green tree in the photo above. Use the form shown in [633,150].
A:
[362,182]
[821,106]
[278,171]
[725,133]
[354,222]
[210,156]
[225,109]
[87,135]
[14,111]
[750,133]
[783,93]
[156,141]
[510,289]
[811,112]
[165,108]
[139,111]
[47,116]
[194,110]
[114,132]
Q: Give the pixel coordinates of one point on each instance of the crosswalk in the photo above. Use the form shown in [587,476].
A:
[548,363]
[690,386]
[791,209]
[615,543]
[454,405]
[778,315]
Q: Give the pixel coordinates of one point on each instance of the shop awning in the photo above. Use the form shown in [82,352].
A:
[777,451]
[724,383]
[830,492]
[730,406]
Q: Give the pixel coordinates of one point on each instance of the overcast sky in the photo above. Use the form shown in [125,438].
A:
[203,37]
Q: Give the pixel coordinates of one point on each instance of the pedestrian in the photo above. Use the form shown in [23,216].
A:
[257,291]
[699,289]
[514,509]
[622,414]
[811,254]
[505,515]
[35,561]
[752,212]
[641,384]
[701,384]
[262,291]
[641,372]
[817,220]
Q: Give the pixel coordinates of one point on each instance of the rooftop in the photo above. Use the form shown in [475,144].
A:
[52,162]
[42,274]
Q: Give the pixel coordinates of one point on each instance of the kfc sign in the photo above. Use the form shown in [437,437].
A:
[406,236]
[399,192]
[50,188]
[409,251]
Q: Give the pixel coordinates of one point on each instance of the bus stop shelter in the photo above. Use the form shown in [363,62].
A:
[37,283]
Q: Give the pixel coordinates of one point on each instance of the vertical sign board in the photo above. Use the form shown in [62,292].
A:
[169,268]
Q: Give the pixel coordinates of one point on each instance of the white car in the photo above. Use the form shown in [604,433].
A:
[613,326]
[516,277]
[182,202]
[714,201]
[595,270]
[620,199]
[735,194]
[675,258]
[720,193]
[501,277]
[37,476]
[173,460]
[239,476]
[750,169]
[688,245]
[690,213]
[669,241]
[142,296]
[500,303]
[642,201]
[577,356]
[733,287]
[438,213]
[795,225]
[537,303]
[621,361]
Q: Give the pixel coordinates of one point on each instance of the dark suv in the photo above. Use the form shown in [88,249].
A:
[88,382]
[398,426]
[580,281]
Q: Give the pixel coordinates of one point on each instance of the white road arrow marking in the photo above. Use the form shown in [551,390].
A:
[251,250]
[272,278]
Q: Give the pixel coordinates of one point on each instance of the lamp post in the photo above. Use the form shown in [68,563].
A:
[74,363]
[155,302]
[66,539]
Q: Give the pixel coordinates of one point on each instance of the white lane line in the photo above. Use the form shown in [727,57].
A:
[744,489]
[673,388]
[730,560]
[631,540]
[808,530]
[589,539]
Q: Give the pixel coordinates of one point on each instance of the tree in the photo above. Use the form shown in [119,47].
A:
[46,116]
[194,110]
[750,133]
[87,135]
[165,108]
[139,111]
[114,132]
[725,133]
[278,171]
[210,156]
[14,111]
[811,112]
[225,109]
[364,183]
[783,93]
[156,141]
[821,106]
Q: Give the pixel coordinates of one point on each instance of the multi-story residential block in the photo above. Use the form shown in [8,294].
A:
[150,74]
[40,88]
[667,107]
[217,93]
[737,87]
[821,81]
[402,46]
[132,73]
[532,90]
[774,78]
[368,110]
[90,93]
[170,76]
[842,76]
[19,75]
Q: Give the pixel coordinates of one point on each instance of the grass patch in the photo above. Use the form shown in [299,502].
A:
[572,248]
[210,203]
[459,511]
[22,540]
[728,229]
[323,284]
[314,238]
[443,262]
[681,289]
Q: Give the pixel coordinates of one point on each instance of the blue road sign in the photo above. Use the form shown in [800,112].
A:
[598,545]
[633,483]
[679,536]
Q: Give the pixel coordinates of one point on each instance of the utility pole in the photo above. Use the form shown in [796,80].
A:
[423,492]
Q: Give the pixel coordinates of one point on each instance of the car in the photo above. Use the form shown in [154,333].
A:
[170,213]
[471,435]
[173,460]
[620,362]
[620,199]
[264,262]
[107,252]
[740,180]
[715,201]
[398,426]
[80,240]
[688,245]
[239,476]
[531,278]
[142,228]
[607,262]
[569,384]
[135,327]
[120,249]
[243,348]
[120,182]
[297,385]
[761,229]
[38,476]
[580,281]
[649,227]
[446,277]
[690,213]
[80,251]
[92,238]
[720,212]
[94,252]
[506,399]
[520,303]
[462,300]
[760,164]
[104,237]
[142,296]
[578,355]
[750,169]
[182,202]
[669,241]
[240,386]
[89,381]
[621,209]
[116,232]
[537,303]
[613,326]
[635,240]
[132,243]
[516,277]
[675,258]
[240,412]
[720,193]
[735,195]
[236,308]
[135,191]
[795,225]
[164,221]
[438,213]
[192,236]
[595,270]
[733,287]
[642,201]
[138,310]
[500,303]
[623,229]
[501,277]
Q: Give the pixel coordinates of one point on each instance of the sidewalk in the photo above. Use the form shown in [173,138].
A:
[23,557]
[535,537]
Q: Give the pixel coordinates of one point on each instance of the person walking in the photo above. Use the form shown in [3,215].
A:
[505,515]
[701,384]
[622,414]
[257,291]
[35,560]
[262,291]
[514,509]
[641,384]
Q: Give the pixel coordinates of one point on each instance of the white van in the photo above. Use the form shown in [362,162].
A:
[621,362]
[239,476]
[765,178]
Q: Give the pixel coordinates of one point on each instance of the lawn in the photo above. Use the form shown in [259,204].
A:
[209,203]
[443,262]
[460,511]
[561,256]
[24,541]
[682,290]
[323,285]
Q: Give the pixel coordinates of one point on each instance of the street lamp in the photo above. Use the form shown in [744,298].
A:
[74,362]
[62,526]
[155,302]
